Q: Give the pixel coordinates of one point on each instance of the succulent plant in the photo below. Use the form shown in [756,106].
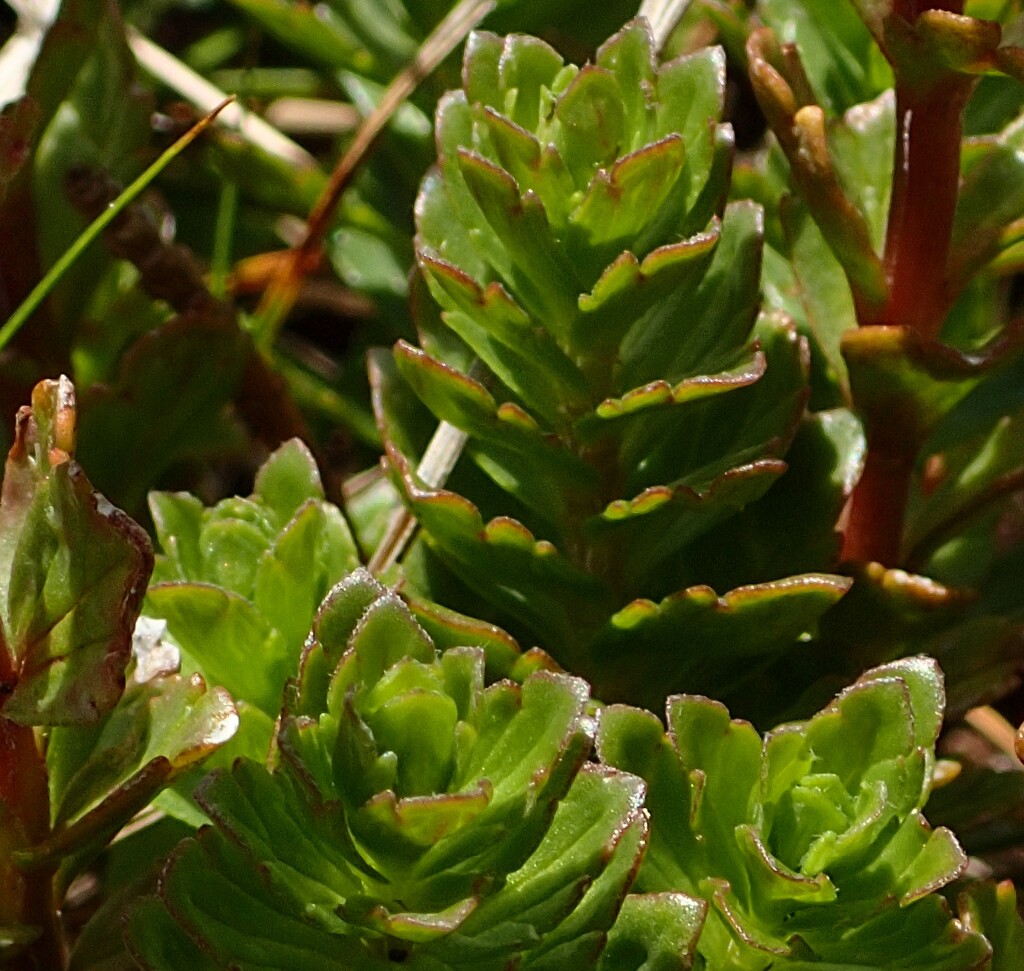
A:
[415,816]
[244,578]
[90,731]
[809,845]
[890,261]
[602,308]
[740,424]
[599,316]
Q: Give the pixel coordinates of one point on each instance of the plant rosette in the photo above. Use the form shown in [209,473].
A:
[415,815]
[809,845]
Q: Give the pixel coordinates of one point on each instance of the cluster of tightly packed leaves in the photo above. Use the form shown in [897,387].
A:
[791,839]
[415,816]
[420,813]
[246,576]
[668,397]
[600,317]
[435,808]
[667,394]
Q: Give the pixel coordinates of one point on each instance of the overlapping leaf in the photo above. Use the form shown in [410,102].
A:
[574,237]
[809,845]
[239,583]
[990,202]
[73,571]
[417,817]
[842,61]
[160,715]
[991,909]
[101,775]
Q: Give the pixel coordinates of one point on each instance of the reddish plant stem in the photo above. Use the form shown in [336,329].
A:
[926,174]
[926,178]
[875,522]
[28,897]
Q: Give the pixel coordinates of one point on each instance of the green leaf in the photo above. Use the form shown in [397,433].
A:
[540,586]
[860,147]
[167,717]
[158,942]
[590,122]
[73,571]
[700,639]
[416,814]
[629,57]
[59,45]
[629,289]
[308,556]
[178,520]
[448,629]
[324,38]
[543,470]
[974,475]
[244,579]
[288,480]
[591,850]
[989,202]
[761,418]
[222,635]
[618,202]
[235,919]
[794,527]
[691,98]
[843,63]
[654,932]
[185,371]
[655,525]
[104,122]
[825,300]
[542,277]
[809,848]
[991,909]
[529,362]
[904,384]
[719,311]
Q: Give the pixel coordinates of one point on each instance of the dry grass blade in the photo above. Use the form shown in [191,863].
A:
[663,15]
[436,465]
[196,89]
[991,725]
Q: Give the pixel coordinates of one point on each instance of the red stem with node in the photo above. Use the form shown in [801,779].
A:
[926,174]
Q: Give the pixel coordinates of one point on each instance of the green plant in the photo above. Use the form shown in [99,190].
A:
[422,818]
[74,571]
[810,847]
[715,394]
[606,348]
[575,248]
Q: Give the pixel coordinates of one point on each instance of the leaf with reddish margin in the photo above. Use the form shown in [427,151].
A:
[706,641]
[991,909]
[172,717]
[73,570]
